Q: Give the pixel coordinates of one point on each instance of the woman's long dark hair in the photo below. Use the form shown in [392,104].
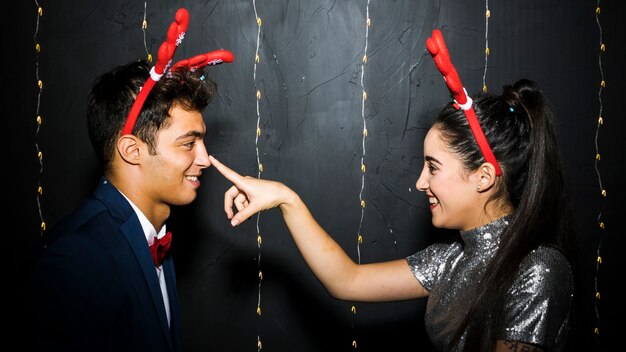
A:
[519,125]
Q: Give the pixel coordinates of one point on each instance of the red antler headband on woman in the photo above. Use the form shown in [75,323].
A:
[438,50]
[175,36]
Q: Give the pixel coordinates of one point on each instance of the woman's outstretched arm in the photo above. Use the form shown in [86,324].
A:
[342,277]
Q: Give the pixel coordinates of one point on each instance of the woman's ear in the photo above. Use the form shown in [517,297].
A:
[129,148]
[485,176]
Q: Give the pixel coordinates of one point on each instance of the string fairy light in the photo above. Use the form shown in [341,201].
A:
[39,119]
[144,27]
[364,135]
[487,50]
[257,59]
[601,224]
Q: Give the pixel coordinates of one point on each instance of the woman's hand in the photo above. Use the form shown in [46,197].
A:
[249,195]
[342,277]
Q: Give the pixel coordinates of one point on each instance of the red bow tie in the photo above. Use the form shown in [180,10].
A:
[159,248]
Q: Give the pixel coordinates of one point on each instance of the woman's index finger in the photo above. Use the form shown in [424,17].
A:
[231,175]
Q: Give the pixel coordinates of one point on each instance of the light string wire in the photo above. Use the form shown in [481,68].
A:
[257,59]
[600,122]
[144,27]
[364,135]
[39,120]
[487,51]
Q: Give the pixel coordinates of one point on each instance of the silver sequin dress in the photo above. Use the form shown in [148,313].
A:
[537,306]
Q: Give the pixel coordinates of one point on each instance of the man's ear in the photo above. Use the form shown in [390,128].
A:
[129,147]
[485,176]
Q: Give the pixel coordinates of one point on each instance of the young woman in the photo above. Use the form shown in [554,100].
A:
[507,282]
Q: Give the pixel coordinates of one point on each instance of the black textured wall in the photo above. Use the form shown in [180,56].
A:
[309,76]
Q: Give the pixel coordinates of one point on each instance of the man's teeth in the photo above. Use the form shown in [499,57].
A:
[192,178]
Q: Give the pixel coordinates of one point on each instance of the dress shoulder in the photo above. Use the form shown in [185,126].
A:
[539,301]
[429,264]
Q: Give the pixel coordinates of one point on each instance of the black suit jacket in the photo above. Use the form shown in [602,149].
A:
[95,288]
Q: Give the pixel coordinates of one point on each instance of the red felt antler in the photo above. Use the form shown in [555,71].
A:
[211,58]
[175,36]
[436,46]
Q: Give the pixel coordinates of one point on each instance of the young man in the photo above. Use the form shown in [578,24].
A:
[96,286]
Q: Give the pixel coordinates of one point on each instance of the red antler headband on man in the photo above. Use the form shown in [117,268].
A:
[175,36]
[438,50]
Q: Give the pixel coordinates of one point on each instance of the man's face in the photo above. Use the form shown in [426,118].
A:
[172,174]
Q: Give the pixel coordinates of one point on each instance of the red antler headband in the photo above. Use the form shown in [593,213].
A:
[438,50]
[175,36]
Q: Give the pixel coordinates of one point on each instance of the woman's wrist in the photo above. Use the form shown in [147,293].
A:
[289,199]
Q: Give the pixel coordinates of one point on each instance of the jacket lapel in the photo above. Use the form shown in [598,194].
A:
[132,230]
[142,252]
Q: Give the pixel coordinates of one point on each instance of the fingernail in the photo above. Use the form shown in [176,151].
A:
[235,222]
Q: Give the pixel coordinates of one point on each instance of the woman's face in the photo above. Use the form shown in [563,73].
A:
[454,199]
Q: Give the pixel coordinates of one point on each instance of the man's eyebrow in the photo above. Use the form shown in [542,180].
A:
[197,134]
